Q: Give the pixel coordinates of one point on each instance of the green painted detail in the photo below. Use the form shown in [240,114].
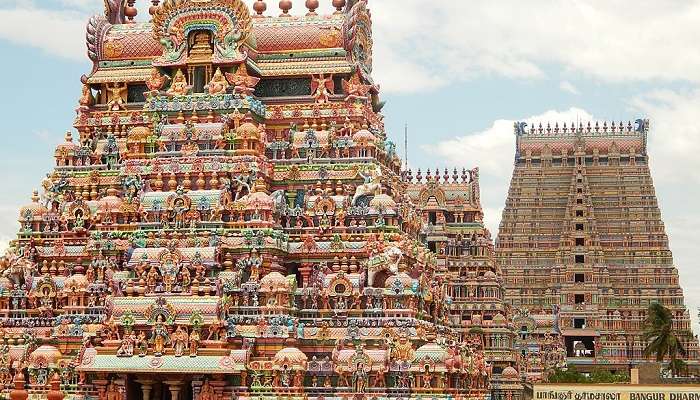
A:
[125,63]
[295,56]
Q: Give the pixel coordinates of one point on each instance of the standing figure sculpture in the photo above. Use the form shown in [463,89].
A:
[159,337]
[322,88]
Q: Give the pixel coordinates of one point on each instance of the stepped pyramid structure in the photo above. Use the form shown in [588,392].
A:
[229,220]
[583,248]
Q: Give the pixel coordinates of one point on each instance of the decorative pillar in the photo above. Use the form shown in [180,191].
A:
[174,387]
[146,387]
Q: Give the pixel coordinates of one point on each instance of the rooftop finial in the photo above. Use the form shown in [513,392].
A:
[338,4]
[130,11]
[312,5]
[285,6]
[152,9]
[260,6]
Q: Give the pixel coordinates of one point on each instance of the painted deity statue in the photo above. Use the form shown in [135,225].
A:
[179,86]
[156,81]
[243,83]
[159,337]
[116,96]
[322,87]
[218,84]
[194,342]
[142,344]
[207,392]
[372,184]
[179,340]
[86,97]
[127,346]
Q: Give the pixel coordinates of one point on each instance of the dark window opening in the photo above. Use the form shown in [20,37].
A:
[579,201]
[200,79]
[432,218]
[283,87]
[580,259]
[580,346]
[579,213]
[432,246]
[579,278]
[135,93]
[338,84]
[580,242]
[579,323]
[579,190]
[579,227]
[579,298]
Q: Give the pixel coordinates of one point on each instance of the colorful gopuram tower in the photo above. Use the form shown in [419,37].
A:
[229,220]
[449,204]
[583,248]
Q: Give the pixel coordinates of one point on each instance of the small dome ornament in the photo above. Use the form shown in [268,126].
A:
[130,11]
[312,5]
[259,6]
[154,7]
[338,4]
[285,6]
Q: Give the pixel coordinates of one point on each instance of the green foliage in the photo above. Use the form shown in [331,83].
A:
[662,341]
[597,376]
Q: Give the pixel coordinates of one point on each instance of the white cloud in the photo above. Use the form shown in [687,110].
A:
[610,41]
[60,33]
[568,87]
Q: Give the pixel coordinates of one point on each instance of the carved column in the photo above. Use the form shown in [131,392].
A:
[146,387]
[174,387]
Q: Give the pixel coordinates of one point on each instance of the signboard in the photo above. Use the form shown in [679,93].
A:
[615,392]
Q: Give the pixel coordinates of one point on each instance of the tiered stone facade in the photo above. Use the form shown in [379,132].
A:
[229,219]
[583,247]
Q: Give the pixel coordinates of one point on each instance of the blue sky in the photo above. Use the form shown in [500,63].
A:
[458,72]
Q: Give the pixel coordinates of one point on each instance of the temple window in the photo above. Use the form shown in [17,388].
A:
[579,323]
[135,93]
[579,213]
[200,51]
[579,227]
[579,278]
[579,258]
[579,298]
[580,242]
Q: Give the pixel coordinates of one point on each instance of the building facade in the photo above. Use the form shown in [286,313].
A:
[229,220]
[583,248]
